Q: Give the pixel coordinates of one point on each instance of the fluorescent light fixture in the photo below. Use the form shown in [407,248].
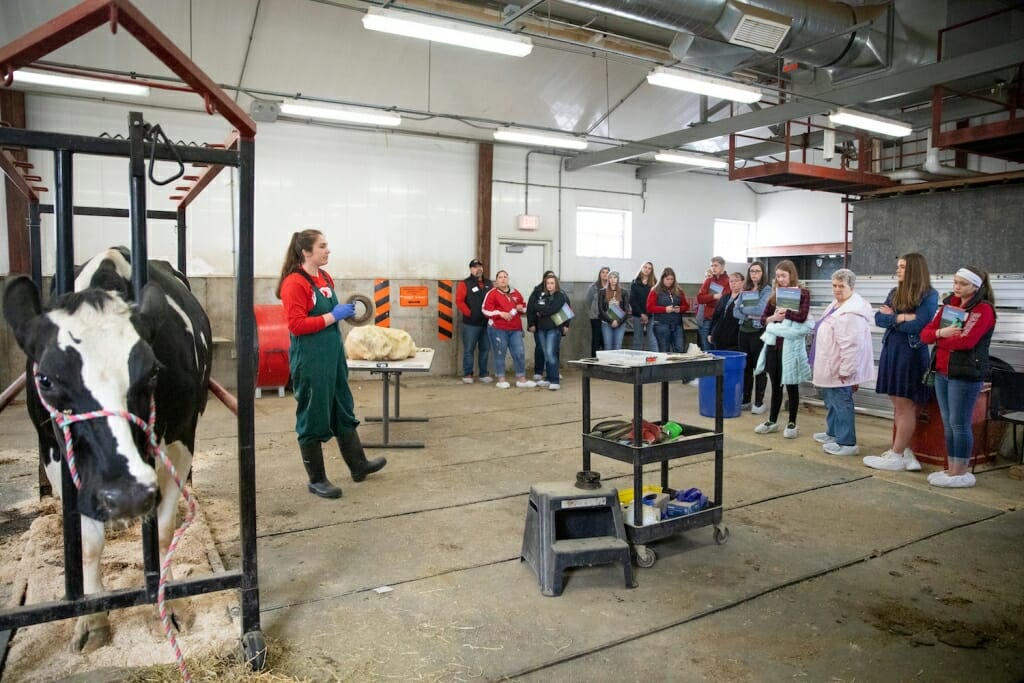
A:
[76,83]
[528,137]
[366,118]
[703,85]
[445,31]
[691,160]
[875,124]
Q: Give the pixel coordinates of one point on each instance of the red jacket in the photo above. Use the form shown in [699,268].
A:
[707,297]
[497,302]
[980,320]
[297,299]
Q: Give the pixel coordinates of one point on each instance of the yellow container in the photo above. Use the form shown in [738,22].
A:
[626,494]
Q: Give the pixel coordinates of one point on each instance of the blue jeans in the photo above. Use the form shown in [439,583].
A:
[511,341]
[551,340]
[473,337]
[538,354]
[643,338]
[612,336]
[669,336]
[839,419]
[956,399]
[703,330]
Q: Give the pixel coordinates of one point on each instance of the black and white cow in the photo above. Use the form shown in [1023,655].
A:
[93,350]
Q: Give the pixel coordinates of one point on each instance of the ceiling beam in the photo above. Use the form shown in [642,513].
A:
[865,90]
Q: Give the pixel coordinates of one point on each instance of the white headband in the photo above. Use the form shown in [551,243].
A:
[970,276]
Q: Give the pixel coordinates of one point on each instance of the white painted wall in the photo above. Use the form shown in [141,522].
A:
[798,217]
[390,205]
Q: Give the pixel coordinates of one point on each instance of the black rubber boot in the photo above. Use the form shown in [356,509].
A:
[313,459]
[355,457]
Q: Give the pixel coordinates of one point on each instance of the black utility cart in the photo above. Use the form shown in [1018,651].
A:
[694,440]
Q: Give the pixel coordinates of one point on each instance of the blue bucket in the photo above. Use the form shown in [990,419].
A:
[732,385]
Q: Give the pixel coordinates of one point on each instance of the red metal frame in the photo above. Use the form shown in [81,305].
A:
[205,176]
[90,14]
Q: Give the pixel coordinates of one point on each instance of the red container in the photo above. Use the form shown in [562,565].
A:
[929,441]
[272,344]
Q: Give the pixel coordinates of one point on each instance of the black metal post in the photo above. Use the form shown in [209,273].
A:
[35,244]
[182,234]
[137,201]
[245,344]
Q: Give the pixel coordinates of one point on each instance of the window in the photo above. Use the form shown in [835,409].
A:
[731,239]
[604,233]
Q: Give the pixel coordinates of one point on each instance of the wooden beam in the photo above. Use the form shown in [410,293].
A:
[484,183]
[17,190]
[819,248]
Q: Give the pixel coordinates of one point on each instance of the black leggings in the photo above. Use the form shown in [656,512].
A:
[773,367]
[750,343]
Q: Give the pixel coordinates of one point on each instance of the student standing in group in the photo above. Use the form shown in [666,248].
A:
[960,364]
[600,283]
[469,297]
[666,303]
[843,359]
[714,288]
[643,330]
[551,327]
[319,370]
[531,326]
[504,308]
[789,373]
[725,327]
[749,310]
[613,307]
[909,306]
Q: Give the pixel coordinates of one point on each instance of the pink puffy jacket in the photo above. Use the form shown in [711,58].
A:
[843,353]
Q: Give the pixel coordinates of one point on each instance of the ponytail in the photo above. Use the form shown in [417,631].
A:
[293,257]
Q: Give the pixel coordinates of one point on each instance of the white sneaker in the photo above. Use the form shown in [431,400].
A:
[543,384]
[502,384]
[486,379]
[694,382]
[911,461]
[946,481]
[537,377]
[835,449]
[554,387]
[766,428]
[745,406]
[888,461]
[467,380]
[526,384]
[758,409]
[824,437]
[791,431]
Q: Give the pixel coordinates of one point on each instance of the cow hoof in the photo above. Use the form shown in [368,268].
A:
[91,633]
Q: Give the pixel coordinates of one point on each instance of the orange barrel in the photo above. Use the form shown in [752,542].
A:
[272,345]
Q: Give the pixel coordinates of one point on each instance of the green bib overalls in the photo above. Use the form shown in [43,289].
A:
[325,408]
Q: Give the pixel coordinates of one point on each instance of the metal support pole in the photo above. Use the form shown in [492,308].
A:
[63,211]
[137,199]
[182,241]
[35,244]
[245,342]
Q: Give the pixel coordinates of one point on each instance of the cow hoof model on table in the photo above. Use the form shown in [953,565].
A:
[94,354]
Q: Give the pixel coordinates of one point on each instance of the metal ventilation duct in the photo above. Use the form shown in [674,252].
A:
[821,33]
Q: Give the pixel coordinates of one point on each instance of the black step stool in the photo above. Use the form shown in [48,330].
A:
[571,527]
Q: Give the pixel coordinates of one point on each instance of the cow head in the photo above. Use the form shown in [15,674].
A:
[90,351]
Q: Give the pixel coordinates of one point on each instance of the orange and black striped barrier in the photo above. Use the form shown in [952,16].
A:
[382,303]
[445,316]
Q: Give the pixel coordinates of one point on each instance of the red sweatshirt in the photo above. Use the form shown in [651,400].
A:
[297,299]
[497,302]
[707,297]
[979,321]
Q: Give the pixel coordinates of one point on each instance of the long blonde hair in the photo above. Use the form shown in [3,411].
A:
[917,282]
[794,277]
[293,257]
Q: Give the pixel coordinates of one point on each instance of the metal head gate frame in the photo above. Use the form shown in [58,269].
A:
[238,153]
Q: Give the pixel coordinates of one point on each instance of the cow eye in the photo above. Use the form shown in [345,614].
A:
[44,382]
[154,375]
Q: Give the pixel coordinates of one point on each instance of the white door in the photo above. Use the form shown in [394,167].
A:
[524,261]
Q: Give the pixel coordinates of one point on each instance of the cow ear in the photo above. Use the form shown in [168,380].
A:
[152,310]
[21,311]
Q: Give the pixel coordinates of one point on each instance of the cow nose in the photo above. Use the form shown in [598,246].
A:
[128,501]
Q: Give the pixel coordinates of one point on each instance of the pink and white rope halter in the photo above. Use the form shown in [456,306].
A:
[64,419]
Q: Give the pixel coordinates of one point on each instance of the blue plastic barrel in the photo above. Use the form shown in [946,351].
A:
[732,385]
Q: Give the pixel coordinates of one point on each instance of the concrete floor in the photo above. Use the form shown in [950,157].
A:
[832,572]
